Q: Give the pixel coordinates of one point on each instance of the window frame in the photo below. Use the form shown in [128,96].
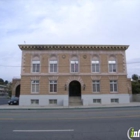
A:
[113,84]
[113,65]
[34,64]
[95,101]
[96,83]
[114,100]
[97,62]
[74,62]
[36,101]
[53,63]
[37,83]
[54,82]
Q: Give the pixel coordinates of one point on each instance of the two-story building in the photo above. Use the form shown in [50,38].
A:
[73,75]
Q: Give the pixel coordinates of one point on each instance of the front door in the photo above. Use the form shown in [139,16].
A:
[74,89]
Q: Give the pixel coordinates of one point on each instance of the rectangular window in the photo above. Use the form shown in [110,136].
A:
[34,101]
[35,66]
[115,100]
[53,86]
[74,66]
[96,86]
[96,100]
[95,66]
[53,66]
[112,66]
[113,86]
[53,101]
[35,86]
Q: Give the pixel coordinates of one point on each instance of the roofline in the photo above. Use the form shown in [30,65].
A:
[71,47]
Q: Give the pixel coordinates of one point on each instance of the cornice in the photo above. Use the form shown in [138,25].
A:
[71,47]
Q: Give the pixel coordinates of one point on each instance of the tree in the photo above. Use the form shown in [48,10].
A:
[1,81]
[135,87]
[135,77]
[6,82]
[135,84]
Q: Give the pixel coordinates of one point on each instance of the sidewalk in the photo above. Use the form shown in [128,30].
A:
[97,106]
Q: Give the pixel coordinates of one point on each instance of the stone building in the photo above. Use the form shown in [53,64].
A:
[66,75]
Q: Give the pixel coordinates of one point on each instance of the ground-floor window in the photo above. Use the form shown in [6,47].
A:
[96,100]
[113,86]
[53,101]
[34,101]
[96,86]
[53,86]
[114,100]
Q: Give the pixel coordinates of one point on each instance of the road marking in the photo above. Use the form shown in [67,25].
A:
[68,130]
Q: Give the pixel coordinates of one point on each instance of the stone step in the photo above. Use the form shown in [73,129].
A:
[75,104]
[75,101]
[74,98]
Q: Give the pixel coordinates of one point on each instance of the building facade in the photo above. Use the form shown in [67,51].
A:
[66,75]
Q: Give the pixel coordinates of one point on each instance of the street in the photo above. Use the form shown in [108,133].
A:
[68,124]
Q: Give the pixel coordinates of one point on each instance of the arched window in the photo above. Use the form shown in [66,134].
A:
[53,65]
[112,64]
[74,64]
[35,64]
[95,64]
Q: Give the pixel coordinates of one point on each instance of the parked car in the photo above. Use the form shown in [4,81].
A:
[13,101]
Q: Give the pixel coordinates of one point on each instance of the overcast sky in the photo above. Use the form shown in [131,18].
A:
[67,22]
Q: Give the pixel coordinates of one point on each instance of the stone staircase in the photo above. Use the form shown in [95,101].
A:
[75,101]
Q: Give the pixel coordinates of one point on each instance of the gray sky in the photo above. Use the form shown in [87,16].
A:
[67,22]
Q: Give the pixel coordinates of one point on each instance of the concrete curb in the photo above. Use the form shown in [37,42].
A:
[66,108]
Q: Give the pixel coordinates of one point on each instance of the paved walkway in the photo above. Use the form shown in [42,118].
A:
[16,107]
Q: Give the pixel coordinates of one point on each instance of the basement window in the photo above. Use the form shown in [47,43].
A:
[114,100]
[34,101]
[53,102]
[96,100]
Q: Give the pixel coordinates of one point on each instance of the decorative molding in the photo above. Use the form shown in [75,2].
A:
[23,63]
[78,52]
[96,77]
[69,74]
[35,78]
[71,47]
[75,78]
[53,78]
[113,77]
[85,56]
[63,56]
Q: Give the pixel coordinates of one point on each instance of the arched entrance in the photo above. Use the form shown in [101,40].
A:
[17,92]
[75,89]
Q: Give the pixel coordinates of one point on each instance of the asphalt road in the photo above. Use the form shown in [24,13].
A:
[68,124]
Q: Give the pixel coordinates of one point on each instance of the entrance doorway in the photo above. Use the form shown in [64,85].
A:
[17,92]
[75,89]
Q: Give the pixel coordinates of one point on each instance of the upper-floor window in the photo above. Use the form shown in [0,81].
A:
[35,86]
[112,66]
[35,66]
[95,66]
[113,86]
[74,65]
[53,63]
[53,66]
